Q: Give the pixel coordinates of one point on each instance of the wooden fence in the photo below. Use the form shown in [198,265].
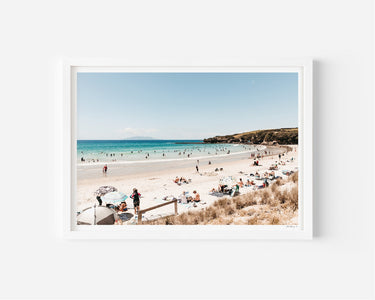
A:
[156,206]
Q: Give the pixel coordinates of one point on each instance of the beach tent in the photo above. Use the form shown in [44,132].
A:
[229,181]
[114,197]
[97,215]
[104,190]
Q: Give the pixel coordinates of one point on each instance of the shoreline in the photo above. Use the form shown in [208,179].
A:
[139,168]
[143,152]
[125,162]
[91,163]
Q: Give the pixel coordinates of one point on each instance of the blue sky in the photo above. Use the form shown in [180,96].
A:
[183,105]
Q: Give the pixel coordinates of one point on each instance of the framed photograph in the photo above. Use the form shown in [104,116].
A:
[193,151]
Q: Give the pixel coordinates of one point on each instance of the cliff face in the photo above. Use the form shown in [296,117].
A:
[282,136]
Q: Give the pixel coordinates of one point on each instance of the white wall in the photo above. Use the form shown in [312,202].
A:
[339,262]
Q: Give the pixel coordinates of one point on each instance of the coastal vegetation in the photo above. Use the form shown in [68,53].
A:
[274,205]
[282,136]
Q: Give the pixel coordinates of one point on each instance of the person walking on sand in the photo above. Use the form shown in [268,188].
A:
[105,168]
[196,166]
[135,196]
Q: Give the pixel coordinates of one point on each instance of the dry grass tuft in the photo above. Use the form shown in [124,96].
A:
[279,182]
[275,220]
[293,198]
[293,177]
[265,197]
[252,221]
[276,205]
[230,210]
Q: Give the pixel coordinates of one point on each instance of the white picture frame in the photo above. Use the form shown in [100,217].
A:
[66,132]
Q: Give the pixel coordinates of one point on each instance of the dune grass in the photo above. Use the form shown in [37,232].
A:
[275,205]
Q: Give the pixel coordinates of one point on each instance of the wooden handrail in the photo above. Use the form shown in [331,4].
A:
[156,206]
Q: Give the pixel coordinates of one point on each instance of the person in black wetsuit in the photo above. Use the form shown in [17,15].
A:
[99,200]
[135,196]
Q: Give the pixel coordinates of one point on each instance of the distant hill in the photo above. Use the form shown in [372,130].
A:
[143,138]
[282,136]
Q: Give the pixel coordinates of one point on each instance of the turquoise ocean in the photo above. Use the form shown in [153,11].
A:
[145,150]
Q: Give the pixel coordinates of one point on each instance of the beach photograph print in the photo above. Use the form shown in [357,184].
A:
[186,148]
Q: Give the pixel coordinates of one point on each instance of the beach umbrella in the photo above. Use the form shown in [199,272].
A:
[104,190]
[114,197]
[97,215]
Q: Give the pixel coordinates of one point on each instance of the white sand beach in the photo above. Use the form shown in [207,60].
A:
[154,180]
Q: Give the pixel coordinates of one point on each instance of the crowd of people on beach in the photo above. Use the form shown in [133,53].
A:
[266,177]
[184,198]
[222,189]
[181,180]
